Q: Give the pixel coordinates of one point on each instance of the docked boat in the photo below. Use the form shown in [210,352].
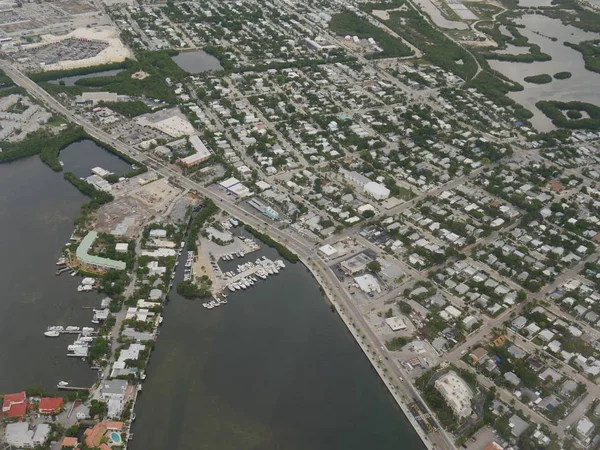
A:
[72,329]
[51,334]
[231,288]
[86,339]
[63,383]
[86,330]
[61,262]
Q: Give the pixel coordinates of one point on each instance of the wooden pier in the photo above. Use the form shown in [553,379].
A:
[72,388]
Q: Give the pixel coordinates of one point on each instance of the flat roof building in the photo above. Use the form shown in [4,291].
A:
[355,264]
[234,186]
[327,250]
[94,262]
[21,436]
[376,190]
[396,323]
[456,393]
[201,155]
[92,98]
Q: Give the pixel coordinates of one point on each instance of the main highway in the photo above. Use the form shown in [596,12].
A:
[398,384]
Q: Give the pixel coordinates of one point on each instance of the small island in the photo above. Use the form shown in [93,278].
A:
[562,75]
[543,78]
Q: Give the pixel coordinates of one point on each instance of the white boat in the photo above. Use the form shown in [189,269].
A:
[51,334]
[209,306]
[231,288]
[61,261]
[94,320]
[63,383]
[72,329]
[87,330]
[86,339]
[223,302]
[160,320]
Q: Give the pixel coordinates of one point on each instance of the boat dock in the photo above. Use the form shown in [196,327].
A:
[73,330]
[71,388]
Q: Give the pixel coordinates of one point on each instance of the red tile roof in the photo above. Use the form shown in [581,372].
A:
[49,404]
[69,442]
[15,405]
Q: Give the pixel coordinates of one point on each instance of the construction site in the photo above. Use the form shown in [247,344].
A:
[137,202]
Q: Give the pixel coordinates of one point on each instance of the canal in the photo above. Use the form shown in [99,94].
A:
[272,369]
[38,209]
[70,81]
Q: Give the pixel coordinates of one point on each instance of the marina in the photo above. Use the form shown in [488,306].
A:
[301,369]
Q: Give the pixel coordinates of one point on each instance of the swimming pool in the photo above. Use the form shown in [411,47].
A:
[115,437]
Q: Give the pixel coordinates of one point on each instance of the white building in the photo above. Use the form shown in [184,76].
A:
[20,435]
[327,251]
[376,190]
[456,393]
[355,178]
[368,283]
[396,323]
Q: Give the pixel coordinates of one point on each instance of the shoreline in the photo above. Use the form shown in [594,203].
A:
[363,346]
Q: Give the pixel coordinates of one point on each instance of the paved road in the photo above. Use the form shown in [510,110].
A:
[305,251]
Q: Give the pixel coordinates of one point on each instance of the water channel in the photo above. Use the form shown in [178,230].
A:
[38,209]
[272,369]
[582,86]
[197,61]
[275,368]
[70,81]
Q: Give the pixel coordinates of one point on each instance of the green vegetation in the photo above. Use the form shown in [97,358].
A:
[554,110]
[5,80]
[562,75]
[374,266]
[158,64]
[436,47]
[574,114]
[515,38]
[397,343]
[44,143]
[5,92]
[590,50]
[99,349]
[282,250]
[350,23]
[56,74]
[198,221]
[188,289]
[98,197]
[495,87]
[49,146]
[542,78]
[128,109]
[571,12]
[98,409]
